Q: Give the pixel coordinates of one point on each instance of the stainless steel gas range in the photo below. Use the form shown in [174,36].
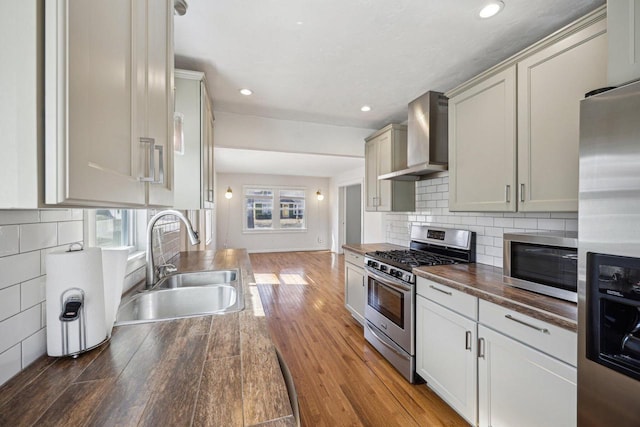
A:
[391,292]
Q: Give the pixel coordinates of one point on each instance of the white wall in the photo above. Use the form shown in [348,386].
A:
[230,215]
[261,133]
[432,208]
[372,222]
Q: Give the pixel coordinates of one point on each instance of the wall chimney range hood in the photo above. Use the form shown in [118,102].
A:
[427,138]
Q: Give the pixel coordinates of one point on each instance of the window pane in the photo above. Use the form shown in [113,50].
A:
[259,212]
[114,227]
[292,209]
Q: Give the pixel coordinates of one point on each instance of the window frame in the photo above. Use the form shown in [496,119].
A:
[276,209]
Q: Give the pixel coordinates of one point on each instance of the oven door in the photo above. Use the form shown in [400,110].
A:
[390,305]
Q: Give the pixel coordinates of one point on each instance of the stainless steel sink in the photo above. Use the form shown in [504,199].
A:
[185,295]
[197,278]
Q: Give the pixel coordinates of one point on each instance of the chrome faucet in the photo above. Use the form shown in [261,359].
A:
[193,238]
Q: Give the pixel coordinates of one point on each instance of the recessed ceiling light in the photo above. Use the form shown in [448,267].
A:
[365,108]
[299,23]
[491,9]
[246,92]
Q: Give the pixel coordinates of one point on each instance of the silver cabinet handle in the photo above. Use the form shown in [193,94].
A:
[481,349]
[467,340]
[152,163]
[440,290]
[160,180]
[522,322]
[210,196]
[522,193]
[508,193]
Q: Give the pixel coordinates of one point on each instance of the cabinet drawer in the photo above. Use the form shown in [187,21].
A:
[354,258]
[549,339]
[462,303]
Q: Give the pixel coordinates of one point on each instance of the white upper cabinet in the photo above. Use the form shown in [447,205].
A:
[623,17]
[21,87]
[109,106]
[514,130]
[551,84]
[385,152]
[194,163]
[482,145]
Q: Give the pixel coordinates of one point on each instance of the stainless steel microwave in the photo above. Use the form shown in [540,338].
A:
[542,262]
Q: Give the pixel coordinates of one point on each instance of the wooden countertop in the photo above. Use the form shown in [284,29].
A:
[487,282]
[210,370]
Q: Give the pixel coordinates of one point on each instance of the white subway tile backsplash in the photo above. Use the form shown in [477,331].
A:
[503,222]
[9,240]
[9,301]
[37,236]
[55,215]
[69,232]
[34,347]
[551,224]
[10,363]
[525,222]
[17,328]
[18,217]
[432,209]
[32,292]
[18,268]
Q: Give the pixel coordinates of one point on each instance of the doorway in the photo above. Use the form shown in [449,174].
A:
[350,214]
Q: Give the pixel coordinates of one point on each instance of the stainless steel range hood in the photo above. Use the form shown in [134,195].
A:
[427,139]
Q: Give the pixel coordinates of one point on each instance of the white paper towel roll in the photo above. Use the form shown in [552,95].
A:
[114,265]
[71,274]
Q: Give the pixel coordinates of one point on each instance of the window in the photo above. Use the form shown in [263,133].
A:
[259,205]
[108,228]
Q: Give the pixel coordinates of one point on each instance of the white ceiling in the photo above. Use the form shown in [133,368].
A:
[348,53]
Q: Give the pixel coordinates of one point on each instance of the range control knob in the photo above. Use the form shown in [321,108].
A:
[383,268]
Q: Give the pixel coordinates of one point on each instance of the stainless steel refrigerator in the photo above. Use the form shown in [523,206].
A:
[609,259]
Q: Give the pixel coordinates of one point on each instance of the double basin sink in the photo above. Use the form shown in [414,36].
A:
[185,295]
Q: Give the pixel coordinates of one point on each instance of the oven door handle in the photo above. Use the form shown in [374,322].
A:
[385,343]
[392,283]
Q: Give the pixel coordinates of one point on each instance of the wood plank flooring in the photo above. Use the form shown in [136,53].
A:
[340,379]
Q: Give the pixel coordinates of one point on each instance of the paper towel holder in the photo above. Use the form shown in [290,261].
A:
[77,245]
[72,309]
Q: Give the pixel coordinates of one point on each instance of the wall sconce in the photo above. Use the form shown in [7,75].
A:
[319,195]
[178,133]
[228,194]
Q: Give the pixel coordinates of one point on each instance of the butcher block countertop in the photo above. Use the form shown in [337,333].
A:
[219,370]
[486,282]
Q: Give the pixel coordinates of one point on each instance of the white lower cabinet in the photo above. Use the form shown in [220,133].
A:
[354,285]
[496,367]
[520,386]
[445,355]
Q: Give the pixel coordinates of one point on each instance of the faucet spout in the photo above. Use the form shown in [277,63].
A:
[193,238]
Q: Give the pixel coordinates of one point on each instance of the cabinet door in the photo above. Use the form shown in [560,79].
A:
[482,141]
[159,99]
[89,155]
[520,386]
[445,355]
[371,174]
[207,151]
[624,41]
[385,165]
[354,291]
[551,84]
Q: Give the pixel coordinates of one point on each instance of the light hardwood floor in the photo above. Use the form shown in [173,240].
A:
[340,379]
